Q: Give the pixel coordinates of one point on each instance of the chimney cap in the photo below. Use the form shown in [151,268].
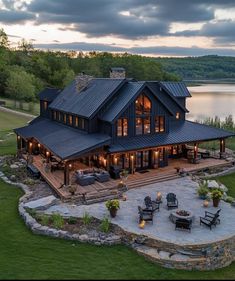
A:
[117,69]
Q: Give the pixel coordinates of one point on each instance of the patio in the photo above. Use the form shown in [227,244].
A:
[162,228]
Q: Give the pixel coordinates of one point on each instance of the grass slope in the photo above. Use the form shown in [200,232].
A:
[229,181]
[24,255]
[9,121]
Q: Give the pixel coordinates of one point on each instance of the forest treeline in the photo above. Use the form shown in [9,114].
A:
[24,71]
[204,67]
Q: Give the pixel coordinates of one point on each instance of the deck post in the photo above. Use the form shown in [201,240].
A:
[222,147]
[108,162]
[195,151]
[66,173]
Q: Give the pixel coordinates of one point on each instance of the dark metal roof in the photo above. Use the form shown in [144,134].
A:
[63,141]
[87,102]
[49,94]
[177,89]
[170,101]
[125,94]
[179,132]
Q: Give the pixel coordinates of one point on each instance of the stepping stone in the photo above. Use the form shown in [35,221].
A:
[42,203]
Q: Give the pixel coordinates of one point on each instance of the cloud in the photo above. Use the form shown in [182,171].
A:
[156,50]
[14,16]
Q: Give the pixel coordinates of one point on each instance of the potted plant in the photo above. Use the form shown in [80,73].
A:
[203,190]
[216,195]
[112,206]
[72,189]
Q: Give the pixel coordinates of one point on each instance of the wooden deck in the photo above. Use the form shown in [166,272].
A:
[108,189]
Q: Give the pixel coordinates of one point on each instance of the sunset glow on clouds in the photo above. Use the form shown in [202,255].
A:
[150,27]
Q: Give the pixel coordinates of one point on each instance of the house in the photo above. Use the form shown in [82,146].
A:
[117,122]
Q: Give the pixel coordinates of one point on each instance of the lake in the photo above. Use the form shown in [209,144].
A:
[209,100]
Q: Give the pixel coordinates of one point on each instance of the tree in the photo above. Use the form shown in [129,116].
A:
[4,43]
[19,86]
[25,46]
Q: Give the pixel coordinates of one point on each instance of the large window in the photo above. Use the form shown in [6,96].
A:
[143,105]
[159,124]
[142,112]
[122,127]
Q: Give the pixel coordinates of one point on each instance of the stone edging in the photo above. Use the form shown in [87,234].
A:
[37,228]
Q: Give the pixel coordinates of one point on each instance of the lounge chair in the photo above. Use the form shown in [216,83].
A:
[210,221]
[144,214]
[151,205]
[172,201]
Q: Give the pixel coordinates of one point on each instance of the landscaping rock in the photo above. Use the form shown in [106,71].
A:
[42,203]
[13,178]
[14,166]
[213,184]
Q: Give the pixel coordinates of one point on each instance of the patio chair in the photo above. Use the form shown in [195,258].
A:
[172,201]
[144,214]
[209,221]
[183,224]
[211,215]
[151,205]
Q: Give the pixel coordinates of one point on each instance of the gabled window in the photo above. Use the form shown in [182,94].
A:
[122,127]
[143,115]
[160,124]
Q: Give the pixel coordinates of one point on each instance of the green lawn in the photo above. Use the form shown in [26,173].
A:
[31,108]
[230,143]
[9,121]
[24,255]
[228,181]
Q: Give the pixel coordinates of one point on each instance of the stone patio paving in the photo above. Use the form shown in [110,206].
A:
[162,228]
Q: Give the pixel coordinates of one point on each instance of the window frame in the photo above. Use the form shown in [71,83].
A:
[124,129]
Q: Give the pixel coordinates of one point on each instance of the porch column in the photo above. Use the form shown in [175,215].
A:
[132,162]
[66,173]
[108,162]
[222,147]
[30,147]
[195,151]
[19,142]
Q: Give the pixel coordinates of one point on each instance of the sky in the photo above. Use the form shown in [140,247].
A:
[145,27]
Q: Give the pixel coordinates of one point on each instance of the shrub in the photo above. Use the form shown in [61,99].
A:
[216,194]
[86,219]
[203,189]
[45,219]
[32,212]
[229,199]
[57,220]
[72,220]
[112,204]
[105,225]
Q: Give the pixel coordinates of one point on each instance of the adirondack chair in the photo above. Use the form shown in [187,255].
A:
[144,214]
[209,221]
[211,215]
[172,201]
[151,205]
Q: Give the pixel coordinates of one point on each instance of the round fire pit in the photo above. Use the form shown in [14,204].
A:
[181,214]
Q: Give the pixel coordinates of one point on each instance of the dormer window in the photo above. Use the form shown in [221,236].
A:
[76,121]
[70,120]
[122,127]
[177,116]
[65,119]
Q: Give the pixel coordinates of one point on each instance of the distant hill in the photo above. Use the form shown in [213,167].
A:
[196,68]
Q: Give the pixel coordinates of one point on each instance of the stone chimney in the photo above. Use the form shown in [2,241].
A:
[117,72]
[82,80]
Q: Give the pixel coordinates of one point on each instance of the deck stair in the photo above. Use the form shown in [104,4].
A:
[151,179]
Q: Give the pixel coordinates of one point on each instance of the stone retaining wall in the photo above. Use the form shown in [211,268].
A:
[199,257]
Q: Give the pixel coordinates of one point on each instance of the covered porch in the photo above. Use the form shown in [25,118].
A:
[100,190]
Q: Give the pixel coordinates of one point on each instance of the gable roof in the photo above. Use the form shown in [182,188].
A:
[87,102]
[63,141]
[177,89]
[179,132]
[49,94]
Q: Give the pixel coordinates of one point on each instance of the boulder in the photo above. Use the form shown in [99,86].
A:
[42,203]
[213,184]
[14,166]
[13,178]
